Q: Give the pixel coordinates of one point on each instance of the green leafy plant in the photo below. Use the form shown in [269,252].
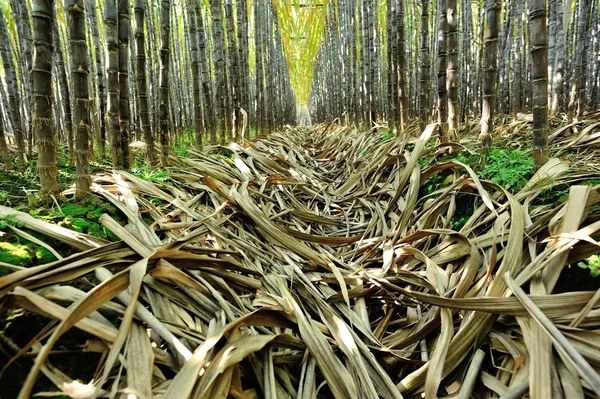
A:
[459,221]
[510,169]
[592,264]
[182,147]
[559,193]
[153,175]
[467,158]
[9,221]
[435,182]
[387,136]
[556,195]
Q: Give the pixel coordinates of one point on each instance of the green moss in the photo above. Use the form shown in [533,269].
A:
[15,254]
[96,213]
[98,230]
[75,210]
[44,256]
[91,227]
[80,225]
[24,253]
[42,213]
[84,216]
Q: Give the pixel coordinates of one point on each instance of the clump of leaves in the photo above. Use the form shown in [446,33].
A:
[9,221]
[559,193]
[154,201]
[459,222]
[555,195]
[592,264]
[591,182]
[467,158]
[435,182]
[181,147]
[385,137]
[464,211]
[153,175]
[510,169]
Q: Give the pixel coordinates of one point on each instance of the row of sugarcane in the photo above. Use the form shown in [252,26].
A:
[451,60]
[97,75]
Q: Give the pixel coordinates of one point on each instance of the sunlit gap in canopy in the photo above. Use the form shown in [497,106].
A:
[302,25]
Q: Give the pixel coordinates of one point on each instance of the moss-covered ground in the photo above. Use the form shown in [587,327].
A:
[79,215]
